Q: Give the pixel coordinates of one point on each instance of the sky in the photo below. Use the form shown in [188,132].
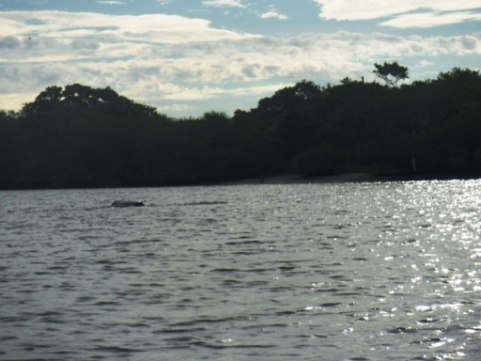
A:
[188,57]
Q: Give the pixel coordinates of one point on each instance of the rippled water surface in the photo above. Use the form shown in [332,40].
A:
[381,271]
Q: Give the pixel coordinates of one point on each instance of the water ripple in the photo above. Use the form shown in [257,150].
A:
[379,271]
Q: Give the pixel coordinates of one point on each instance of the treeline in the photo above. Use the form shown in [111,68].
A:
[78,136]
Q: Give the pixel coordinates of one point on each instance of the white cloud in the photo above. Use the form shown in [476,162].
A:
[375,9]
[172,61]
[65,26]
[223,3]
[110,2]
[424,64]
[13,101]
[430,19]
[274,15]
[182,99]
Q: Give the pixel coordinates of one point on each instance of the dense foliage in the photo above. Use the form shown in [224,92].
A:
[78,136]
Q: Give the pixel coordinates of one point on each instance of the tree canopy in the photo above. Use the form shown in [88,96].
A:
[78,136]
[391,73]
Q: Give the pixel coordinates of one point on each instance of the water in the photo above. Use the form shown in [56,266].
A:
[378,271]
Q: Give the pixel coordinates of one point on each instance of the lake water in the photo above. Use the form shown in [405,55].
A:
[367,271]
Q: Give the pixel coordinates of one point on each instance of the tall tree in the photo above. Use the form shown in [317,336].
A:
[391,73]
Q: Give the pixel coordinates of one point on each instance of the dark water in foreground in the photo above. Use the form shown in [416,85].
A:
[383,271]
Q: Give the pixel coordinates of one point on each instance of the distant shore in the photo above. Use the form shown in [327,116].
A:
[352,177]
[345,178]
[297,179]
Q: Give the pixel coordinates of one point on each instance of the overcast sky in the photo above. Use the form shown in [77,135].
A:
[187,57]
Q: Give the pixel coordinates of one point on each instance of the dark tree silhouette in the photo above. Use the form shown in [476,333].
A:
[78,136]
[391,73]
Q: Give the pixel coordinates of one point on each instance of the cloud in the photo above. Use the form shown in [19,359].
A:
[13,101]
[434,11]
[185,99]
[430,19]
[180,63]
[9,42]
[424,63]
[66,26]
[273,14]
[223,3]
[110,2]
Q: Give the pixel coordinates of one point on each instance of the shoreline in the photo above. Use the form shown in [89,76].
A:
[299,179]
[346,178]
[353,177]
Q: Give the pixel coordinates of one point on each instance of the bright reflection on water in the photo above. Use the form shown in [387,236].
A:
[382,271]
